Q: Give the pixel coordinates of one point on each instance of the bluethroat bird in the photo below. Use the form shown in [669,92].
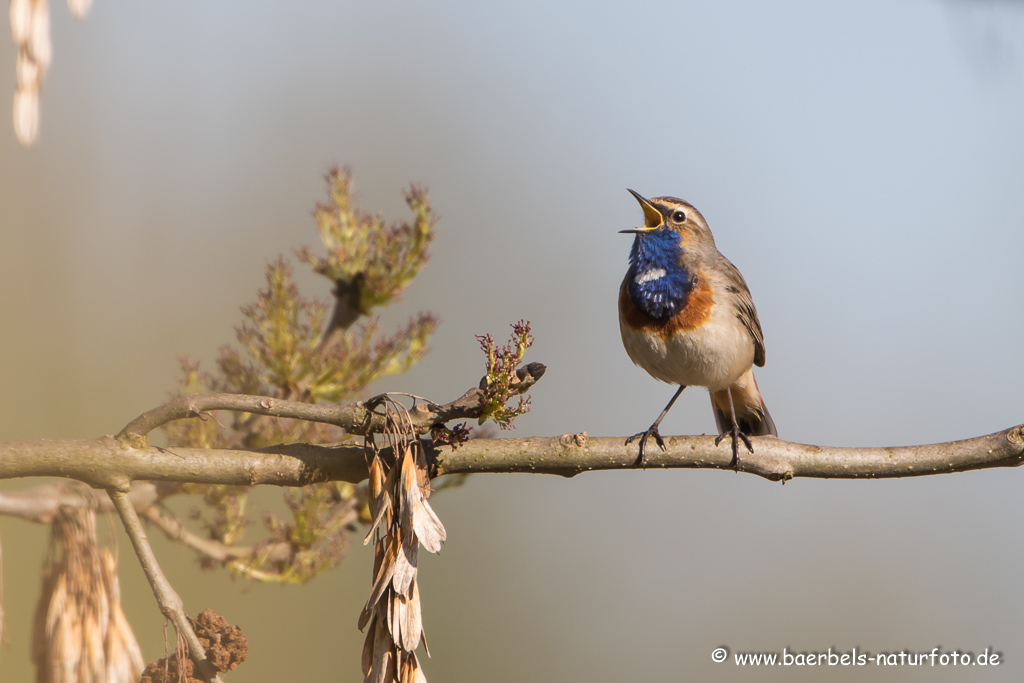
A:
[687,318]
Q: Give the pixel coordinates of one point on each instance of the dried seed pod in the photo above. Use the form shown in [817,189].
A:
[27,70]
[26,115]
[81,633]
[79,8]
[39,45]
[21,20]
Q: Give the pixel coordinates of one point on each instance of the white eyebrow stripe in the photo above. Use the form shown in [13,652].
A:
[649,275]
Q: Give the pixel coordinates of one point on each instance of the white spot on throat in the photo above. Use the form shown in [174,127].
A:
[649,275]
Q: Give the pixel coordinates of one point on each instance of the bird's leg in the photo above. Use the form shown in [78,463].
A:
[653,431]
[736,435]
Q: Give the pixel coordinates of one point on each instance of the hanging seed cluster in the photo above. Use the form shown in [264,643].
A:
[402,521]
[30,28]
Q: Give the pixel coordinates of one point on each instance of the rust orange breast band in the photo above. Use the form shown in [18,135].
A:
[693,315]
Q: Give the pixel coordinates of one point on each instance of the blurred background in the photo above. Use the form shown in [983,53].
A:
[862,163]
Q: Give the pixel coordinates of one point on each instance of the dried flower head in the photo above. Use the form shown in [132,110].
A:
[81,634]
[224,645]
[454,436]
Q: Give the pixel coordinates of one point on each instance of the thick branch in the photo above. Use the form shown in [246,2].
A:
[106,462]
[772,458]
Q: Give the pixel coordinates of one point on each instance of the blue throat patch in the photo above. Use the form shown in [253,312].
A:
[658,285]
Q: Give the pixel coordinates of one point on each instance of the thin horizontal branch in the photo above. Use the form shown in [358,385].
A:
[172,527]
[353,417]
[40,504]
[238,557]
[109,463]
[361,417]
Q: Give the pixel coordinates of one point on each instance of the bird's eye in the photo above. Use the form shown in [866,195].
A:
[678,216]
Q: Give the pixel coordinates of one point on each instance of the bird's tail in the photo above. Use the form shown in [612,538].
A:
[751,413]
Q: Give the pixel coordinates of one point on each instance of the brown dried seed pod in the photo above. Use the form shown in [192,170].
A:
[409,618]
[39,45]
[382,666]
[405,569]
[429,529]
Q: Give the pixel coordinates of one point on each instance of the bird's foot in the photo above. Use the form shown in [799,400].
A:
[736,435]
[643,436]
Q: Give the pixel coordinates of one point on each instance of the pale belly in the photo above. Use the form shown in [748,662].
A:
[714,355]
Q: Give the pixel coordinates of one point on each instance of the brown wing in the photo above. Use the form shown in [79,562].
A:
[745,310]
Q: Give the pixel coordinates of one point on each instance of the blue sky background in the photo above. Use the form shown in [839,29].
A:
[862,163]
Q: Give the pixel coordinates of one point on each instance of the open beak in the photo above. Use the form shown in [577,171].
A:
[652,217]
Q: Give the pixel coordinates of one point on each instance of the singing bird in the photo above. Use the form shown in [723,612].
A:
[687,318]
